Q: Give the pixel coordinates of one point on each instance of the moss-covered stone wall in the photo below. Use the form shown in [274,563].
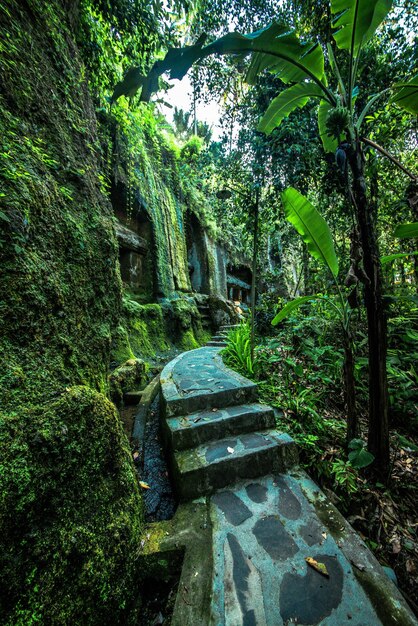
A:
[147,167]
[70,507]
[70,510]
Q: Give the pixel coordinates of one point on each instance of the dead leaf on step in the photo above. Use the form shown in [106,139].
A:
[396,546]
[144,485]
[359,566]
[324,535]
[230,450]
[410,566]
[135,456]
[214,410]
[319,567]
[197,419]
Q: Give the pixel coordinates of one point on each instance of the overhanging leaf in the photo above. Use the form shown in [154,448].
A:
[311,226]
[286,102]
[406,231]
[406,95]
[290,307]
[283,41]
[356,21]
[392,257]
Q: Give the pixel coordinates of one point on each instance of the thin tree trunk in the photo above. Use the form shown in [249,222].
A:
[254,269]
[305,262]
[378,438]
[350,390]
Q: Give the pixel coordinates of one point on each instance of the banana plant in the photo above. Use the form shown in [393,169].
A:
[316,234]
[301,65]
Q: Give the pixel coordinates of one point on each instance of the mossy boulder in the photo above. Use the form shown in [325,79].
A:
[127,377]
[142,332]
[70,512]
[184,322]
[222,311]
[70,508]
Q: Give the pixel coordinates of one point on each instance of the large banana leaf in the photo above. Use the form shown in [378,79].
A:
[399,255]
[356,21]
[290,307]
[406,231]
[311,226]
[280,49]
[286,102]
[274,47]
[330,144]
[406,95]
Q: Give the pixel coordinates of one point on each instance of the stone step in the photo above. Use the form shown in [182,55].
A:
[218,338]
[214,465]
[221,344]
[188,431]
[131,398]
[199,380]
[228,327]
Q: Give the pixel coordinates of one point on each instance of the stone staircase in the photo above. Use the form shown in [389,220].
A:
[219,340]
[205,315]
[214,431]
[249,545]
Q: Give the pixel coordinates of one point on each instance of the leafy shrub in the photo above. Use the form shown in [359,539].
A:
[237,353]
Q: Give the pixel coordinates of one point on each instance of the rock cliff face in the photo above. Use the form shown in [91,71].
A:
[70,508]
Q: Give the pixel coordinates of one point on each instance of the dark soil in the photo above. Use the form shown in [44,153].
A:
[160,503]
[158,601]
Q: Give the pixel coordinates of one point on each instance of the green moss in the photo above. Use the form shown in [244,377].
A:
[127,377]
[151,329]
[145,328]
[389,610]
[77,539]
[121,349]
[188,341]
[70,509]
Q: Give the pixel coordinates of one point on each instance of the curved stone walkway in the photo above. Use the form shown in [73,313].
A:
[246,543]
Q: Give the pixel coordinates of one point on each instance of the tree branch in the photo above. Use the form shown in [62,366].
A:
[394,160]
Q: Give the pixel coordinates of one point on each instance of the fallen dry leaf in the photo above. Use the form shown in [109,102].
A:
[230,450]
[135,456]
[319,567]
[396,546]
[144,485]
[410,566]
[359,566]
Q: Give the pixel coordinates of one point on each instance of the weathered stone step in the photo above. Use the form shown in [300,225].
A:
[228,327]
[132,397]
[188,431]
[199,380]
[221,344]
[214,465]
[218,337]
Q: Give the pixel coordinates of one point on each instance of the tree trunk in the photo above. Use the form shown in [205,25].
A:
[350,390]
[254,270]
[378,439]
[305,262]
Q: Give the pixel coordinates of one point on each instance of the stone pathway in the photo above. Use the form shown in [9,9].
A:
[262,516]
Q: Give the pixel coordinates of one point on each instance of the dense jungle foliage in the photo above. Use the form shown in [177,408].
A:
[313,181]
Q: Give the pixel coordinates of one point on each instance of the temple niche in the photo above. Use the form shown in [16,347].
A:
[196,255]
[206,260]
[239,284]
[135,239]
